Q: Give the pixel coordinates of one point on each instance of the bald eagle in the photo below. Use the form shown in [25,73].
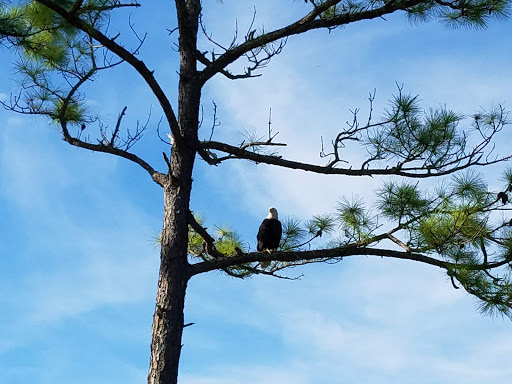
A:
[269,234]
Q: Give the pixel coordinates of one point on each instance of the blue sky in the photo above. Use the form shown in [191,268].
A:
[79,259]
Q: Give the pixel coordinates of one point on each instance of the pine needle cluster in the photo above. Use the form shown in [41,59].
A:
[54,57]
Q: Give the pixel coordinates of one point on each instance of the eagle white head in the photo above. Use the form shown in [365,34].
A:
[272,213]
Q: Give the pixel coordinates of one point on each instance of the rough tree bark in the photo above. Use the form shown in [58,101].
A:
[168,320]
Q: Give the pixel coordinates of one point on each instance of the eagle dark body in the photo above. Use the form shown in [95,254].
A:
[269,235]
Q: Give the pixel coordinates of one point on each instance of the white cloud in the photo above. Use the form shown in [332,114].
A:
[366,320]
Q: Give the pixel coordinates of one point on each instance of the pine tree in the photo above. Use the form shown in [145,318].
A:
[63,45]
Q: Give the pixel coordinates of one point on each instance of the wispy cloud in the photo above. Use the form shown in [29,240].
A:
[361,320]
[86,245]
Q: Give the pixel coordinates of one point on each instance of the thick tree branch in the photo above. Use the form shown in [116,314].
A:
[205,61]
[334,253]
[107,146]
[311,255]
[307,23]
[157,177]
[414,172]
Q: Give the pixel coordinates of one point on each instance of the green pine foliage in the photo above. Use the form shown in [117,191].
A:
[355,220]
[228,241]
[401,201]
[54,57]
[507,177]
[470,187]
[294,234]
[409,134]
[461,13]
[321,224]
[40,33]
[195,241]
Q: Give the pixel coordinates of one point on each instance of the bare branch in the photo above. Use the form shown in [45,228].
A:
[272,273]
[132,138]
[261,144]
[204,60]
[160,136]
[166,159]
[158,177]
[452,279]
[124,54]
[215,123]
[118,125]
[398,242]
[414,172]
[77,8]
[307,23]
[60,115]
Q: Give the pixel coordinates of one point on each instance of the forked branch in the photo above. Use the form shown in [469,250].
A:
[309,22]
[125,55]
[413,172]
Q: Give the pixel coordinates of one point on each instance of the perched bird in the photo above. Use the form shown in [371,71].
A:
[269,234]
[503,196]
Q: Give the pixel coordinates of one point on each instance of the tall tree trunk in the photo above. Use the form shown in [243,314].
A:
[174,275]
[174,268]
